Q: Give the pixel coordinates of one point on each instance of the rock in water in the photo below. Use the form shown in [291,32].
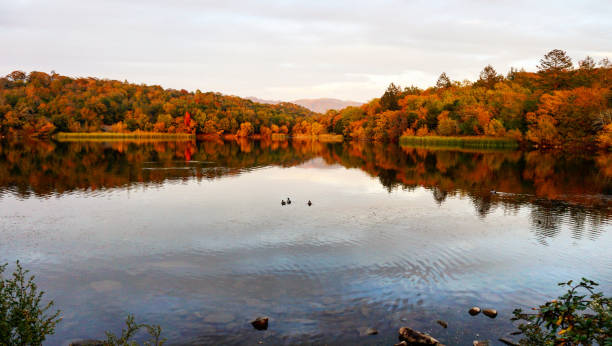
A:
[401,343]
[442,323]
[474,311]
[371,331]
[482,343]
[412,337]
[490,312]
[260,323]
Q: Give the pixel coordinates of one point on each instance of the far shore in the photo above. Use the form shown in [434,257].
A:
[141,135]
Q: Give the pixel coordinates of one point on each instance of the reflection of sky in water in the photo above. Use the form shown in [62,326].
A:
[203,257]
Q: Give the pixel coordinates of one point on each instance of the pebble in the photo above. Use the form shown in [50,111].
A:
[490,312]
[442,323]
[371,331]
[482,343]
[474,311]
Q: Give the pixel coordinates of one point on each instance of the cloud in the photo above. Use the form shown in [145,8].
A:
[293,49]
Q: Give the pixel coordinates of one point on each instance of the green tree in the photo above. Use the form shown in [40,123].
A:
[587,64]
[489,77]
[389,99]
[556,60]
[24,319]
[443,81]
[553,66]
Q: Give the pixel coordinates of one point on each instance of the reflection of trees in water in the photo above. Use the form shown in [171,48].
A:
[483,204]
[439,195]
[548,217]
[559,189]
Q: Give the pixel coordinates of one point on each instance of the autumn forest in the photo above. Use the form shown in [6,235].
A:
[560,105]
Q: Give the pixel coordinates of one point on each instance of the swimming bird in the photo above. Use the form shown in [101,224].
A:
[288,200]
[283,202]
[309,203]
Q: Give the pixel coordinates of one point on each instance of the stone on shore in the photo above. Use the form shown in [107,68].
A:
[413,337]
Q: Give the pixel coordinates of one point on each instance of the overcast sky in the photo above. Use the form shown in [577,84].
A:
[285,50]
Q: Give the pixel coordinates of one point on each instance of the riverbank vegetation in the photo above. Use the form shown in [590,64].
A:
[24,318]
[460,142]
[557,106]
[579,317]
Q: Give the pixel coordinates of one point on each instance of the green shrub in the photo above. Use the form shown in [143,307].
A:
[131,329]
[23,317]
[572,319]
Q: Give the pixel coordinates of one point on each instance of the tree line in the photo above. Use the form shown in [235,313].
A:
[39,104]
[559,105]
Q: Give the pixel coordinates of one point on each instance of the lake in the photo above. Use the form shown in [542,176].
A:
[193,236]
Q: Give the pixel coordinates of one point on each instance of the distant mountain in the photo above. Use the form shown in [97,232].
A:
[324,104]
[321,105]
[258,100]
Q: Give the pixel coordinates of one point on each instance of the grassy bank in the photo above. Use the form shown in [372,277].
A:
[460,142]
[72,136]
[325,137]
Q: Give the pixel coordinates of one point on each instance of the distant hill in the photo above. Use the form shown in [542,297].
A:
[258,100]
[324,104]
[321,105]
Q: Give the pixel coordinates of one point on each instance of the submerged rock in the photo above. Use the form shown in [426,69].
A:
[260,323]
[87,343]
[474,311]
[442,323]
[490,312]
[221,317]
[401,343]
[413,337]
[508,342]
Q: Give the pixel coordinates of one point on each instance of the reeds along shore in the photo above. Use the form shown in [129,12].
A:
[460,142]
[325,137]
[122,135]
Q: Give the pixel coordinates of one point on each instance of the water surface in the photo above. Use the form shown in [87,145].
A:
[192,236]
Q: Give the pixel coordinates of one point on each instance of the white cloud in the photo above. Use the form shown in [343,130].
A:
[293,49]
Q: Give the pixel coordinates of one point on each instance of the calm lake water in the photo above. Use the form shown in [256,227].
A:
[192,236]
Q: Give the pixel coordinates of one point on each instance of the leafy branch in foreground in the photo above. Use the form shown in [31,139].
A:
[572,319]
[131,329]
[23,318]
